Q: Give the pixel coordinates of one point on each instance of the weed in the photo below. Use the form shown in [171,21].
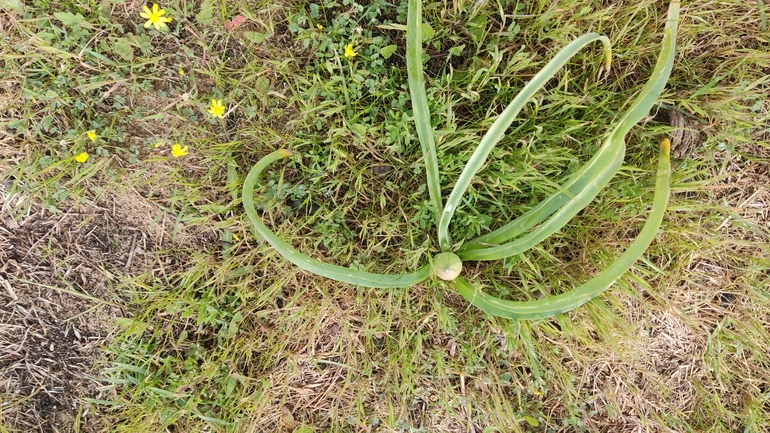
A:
[226,335]
[582,187]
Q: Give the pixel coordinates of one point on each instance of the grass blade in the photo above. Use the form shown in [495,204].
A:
[567,301]
[584,185]
[334,272]
[498,128]
[420,102]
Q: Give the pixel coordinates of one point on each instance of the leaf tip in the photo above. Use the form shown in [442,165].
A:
[665,146]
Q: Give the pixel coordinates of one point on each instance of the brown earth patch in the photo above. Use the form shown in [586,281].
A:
[58,274]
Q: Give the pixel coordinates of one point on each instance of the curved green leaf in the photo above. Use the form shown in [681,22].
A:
[566,203]
[570,300]
[498,128]
[334,272]
[420,102]
[585,184]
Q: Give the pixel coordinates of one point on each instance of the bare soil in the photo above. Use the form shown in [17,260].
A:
[58,273]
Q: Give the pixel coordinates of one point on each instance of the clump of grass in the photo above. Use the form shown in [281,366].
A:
[679,345]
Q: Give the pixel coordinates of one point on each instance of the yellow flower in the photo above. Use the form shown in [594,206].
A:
[320,27]
[217,108]
[155,17]
[349,53]
[92,135]
[181,70]
[81,157]
[236,237]
[178,150]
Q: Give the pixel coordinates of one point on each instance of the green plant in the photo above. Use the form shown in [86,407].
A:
[530,228]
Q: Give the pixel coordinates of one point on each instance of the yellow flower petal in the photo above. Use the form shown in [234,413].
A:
[217,108]
[154,17]
[349,53]
[177,150]
[91,135]
[81,157]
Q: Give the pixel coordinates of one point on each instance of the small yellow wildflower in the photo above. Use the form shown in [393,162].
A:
[81,157]
[236,237]
[320,27]
[155,17]
[91,135]
[181,70]
[349,53]
[217,108]
[178,150]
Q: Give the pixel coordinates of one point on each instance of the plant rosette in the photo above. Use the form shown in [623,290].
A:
[535,225]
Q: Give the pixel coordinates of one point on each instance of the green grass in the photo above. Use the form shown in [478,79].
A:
[228,336]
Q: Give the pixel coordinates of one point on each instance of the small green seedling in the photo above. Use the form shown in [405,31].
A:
[530,228]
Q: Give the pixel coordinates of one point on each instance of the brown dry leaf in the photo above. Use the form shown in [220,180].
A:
[685,139]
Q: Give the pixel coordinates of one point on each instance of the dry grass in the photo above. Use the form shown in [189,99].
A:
[128,306]
[58,276]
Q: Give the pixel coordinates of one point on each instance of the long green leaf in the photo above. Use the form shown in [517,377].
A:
[585,184]
[498,128]
[334,272]
[420,102]
[570,300]
[568,203]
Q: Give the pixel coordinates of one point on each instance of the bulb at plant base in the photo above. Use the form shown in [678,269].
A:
[447,266]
